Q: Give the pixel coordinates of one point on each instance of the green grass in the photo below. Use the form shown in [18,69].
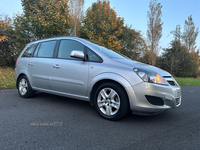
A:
[188,81]
[7,80]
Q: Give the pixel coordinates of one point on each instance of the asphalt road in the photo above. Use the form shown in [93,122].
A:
[57,123]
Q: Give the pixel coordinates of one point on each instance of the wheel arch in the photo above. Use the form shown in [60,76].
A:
[104,78]
[23,72]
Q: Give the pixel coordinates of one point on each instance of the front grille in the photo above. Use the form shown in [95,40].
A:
[172,83]
[170,80]
[167,76]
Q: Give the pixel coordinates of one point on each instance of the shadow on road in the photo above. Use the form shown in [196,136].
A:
[85,106]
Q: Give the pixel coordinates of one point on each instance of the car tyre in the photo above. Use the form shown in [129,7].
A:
[111,101]
[24,88]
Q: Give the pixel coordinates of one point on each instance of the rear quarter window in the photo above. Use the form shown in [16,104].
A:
[29,51]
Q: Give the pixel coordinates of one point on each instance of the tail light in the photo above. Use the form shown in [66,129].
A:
[16,63]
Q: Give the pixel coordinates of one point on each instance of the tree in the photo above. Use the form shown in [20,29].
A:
[177,33]
[190,34]
[23,34]
[154,32]
[178,61]
[6,44]
[102,25]
[76,12]
[196,59]
[175,52]
[133,45]
[47,18]
[3,26]
[14,34]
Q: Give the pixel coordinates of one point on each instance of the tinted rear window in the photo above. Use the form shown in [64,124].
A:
[46,49]
[29,50]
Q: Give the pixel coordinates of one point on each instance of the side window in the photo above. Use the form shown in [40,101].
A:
[46,49]
[29,51]
[66,46]
[92,56]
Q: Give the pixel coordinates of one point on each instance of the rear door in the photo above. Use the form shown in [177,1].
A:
[25,58]
[69,75]
[40,65]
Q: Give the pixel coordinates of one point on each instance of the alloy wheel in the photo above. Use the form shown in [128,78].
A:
[108,101]
[23,86]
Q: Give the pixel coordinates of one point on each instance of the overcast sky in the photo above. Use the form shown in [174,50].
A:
[134,12]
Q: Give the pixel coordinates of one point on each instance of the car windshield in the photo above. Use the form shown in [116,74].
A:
[111,53]
[107,52]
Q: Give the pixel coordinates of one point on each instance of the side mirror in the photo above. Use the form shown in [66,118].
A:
[77,54]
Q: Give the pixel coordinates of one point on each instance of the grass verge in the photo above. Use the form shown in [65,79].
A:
[188,81]
[7,80]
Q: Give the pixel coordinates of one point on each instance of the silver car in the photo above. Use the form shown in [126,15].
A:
[77,68]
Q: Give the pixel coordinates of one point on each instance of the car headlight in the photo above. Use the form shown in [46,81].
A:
[151,77]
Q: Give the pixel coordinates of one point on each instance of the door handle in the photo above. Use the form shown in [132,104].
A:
[56,66]
[31,63]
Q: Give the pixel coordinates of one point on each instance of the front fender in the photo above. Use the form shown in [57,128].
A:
[117,78]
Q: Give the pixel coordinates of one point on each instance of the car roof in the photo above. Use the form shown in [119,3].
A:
[55,38]
[86,41]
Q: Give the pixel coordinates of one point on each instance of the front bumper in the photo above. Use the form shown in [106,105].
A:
[170,95]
